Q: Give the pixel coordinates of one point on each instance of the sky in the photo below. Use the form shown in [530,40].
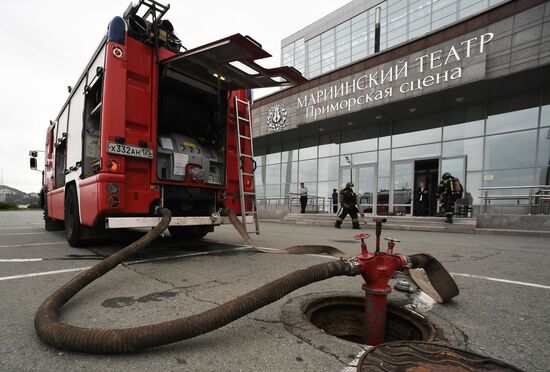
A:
[47,44]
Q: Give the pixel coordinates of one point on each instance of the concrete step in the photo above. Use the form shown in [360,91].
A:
[514,232]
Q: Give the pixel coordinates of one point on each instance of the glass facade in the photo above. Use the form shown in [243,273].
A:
[353,40]
[500,142]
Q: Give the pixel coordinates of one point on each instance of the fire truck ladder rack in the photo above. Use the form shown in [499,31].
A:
[246,135]
[155,10]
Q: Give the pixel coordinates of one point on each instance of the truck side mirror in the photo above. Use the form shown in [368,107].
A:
[33,163]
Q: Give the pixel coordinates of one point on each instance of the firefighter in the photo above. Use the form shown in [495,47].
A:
[448,191]
[348,202]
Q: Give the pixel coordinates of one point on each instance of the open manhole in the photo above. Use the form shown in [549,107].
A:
[343,316]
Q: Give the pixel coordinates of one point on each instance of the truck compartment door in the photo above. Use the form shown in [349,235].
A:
[229,64]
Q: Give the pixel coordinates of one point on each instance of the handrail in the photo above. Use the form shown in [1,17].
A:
[535,199]
[318,202]
[514,187]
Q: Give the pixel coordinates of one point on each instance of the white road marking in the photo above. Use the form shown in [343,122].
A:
[16,228]
[205,253]
[23,276]
[43,273]
[30,244]
[422,300]
[34,233]
[21,259]
[502,280]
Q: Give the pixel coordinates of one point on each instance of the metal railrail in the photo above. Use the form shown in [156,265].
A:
[317,204]
[538,197]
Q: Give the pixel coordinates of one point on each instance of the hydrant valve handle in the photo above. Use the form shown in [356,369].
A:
[393,240]
[361,236]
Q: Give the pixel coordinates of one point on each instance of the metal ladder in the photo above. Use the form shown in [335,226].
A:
[244,195]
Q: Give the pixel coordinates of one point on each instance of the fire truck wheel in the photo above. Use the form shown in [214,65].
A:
[72,218]
[188,232]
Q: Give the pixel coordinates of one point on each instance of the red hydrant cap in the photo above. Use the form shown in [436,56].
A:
[361,236]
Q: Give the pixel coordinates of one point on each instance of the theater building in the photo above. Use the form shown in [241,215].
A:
[459,86]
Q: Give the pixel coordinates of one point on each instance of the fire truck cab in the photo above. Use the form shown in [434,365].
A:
[149,126]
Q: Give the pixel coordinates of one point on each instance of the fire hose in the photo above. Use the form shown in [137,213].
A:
[108,340]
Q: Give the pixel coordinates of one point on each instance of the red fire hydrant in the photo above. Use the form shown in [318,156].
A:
[377,268]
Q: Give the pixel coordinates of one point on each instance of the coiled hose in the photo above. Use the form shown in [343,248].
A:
[90,340]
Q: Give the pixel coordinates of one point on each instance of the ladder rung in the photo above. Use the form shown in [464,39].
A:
[241,101]
[246,138]
[249,193]
[248,174]
[243,119]
[247,156]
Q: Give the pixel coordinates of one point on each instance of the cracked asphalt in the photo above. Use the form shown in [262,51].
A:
[502,311]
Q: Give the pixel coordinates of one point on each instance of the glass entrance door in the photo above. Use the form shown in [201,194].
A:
[402,186]
[456,166]
[364,179]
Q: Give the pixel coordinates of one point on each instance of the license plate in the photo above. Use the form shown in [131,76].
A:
[128,150]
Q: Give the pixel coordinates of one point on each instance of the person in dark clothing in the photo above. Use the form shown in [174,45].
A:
[302,191]
[348,201]
[448,191]
[421,199]
[334,201]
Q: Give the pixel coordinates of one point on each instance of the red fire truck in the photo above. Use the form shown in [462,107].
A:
[149,126]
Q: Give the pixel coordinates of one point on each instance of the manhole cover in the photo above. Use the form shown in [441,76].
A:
[343,316]
[415,356]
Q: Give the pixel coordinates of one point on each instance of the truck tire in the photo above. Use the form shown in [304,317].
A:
[188,232]
[73,228]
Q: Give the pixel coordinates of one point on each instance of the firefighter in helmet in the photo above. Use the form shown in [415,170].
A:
[448,191]
[348,201]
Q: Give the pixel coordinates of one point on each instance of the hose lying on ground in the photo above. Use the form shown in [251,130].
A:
[296,249]
[64,336]
[432,278]
[427,272]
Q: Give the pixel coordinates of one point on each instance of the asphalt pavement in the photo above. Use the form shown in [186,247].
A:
[502,310]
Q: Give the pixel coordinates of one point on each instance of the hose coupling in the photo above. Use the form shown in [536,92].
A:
[215,217]
[352,266]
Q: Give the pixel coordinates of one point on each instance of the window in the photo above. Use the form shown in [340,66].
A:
[513,150]
[364,157]
[314,56]
[308,153]
[92,124]
[288,55]
[513,113]
[328,169]
[273,158]
[414,152]
[358,146]
[464,122]
[329,149]
[289,172]
[272,174]
[472,148]
[469,7]
[307,170]
[543,157]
